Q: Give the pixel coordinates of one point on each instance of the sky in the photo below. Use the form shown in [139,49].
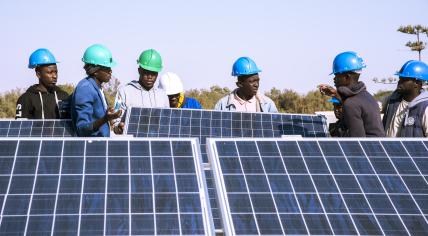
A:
[294,42]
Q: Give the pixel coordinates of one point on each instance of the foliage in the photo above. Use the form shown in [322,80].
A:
[8,103]
[417,30]
[208,98]
[289,101]
[286,100]
[69,88]
[413,29]
[389,80]
[382,95]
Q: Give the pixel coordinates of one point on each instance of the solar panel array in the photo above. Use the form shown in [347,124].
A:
[36,128]
[322,186]
[161,122]
[68,186]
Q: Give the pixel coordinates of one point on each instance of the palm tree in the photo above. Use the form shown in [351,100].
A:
[416,30]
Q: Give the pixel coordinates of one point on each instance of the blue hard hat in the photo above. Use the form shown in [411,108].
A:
[244,66]
[334,100]
[347,61]
[41,56]
[414,69]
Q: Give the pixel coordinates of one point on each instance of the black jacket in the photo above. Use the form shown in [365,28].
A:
[29,104]
[412,123]
[361,112]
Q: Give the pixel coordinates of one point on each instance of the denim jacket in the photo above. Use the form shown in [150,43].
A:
[87,106]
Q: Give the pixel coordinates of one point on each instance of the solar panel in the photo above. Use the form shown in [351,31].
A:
[162,122]
[36,128]
[321,186]
[70,186]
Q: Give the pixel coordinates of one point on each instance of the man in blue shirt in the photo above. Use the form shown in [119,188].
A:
[173,87]
[89,108]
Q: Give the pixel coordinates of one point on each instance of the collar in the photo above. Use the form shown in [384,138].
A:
[242,101]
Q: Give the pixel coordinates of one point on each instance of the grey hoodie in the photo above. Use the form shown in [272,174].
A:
[420,98]
[133,94]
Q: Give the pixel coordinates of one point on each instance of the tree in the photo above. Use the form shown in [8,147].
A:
[417,30]
[8,103]
[382,95]
[389,80]
[208,98]
[289,101]
[69,88]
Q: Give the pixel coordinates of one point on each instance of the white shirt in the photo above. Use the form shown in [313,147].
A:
[394,129]
[104,99]
[243,105]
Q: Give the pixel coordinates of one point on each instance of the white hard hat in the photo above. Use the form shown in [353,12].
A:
[171,83]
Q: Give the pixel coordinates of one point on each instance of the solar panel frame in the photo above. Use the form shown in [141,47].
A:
[43,194]
[37,128]
[400,202]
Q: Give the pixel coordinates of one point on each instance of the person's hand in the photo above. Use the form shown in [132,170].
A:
[328,90]
[111,115]
[119,129]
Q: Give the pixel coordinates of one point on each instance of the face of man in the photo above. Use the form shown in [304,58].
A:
[147,78]
[341,80]
[103,74]
[173,100]
[338,111]
[248,85]
[48,75]
[406,85]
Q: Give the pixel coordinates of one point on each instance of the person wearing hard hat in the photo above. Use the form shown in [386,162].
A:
[89,108]
[361,113]
[246,97]
[406,111]
[42,100]
[142,92]
[338,128]
[173,87]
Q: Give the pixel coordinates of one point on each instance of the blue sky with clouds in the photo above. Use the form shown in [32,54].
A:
[293,42]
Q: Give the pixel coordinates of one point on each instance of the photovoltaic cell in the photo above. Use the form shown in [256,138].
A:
[68,186]
[36,128]
[157,122]
[161,122]
[334,186]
